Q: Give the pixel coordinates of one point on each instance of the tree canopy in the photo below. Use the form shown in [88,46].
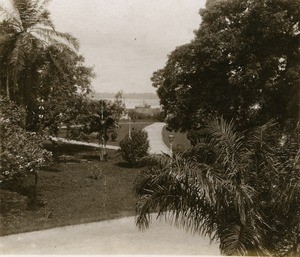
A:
[243,63]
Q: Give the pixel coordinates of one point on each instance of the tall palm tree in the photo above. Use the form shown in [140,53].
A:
[26,31]
[223,190]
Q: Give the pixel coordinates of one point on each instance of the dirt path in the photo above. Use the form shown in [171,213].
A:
[119,236]
[157,145]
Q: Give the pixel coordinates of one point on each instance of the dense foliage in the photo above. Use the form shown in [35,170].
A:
[243,64]
[241,189]
[135,147]
[40,68]
[155,115]
[240,183]
[21,152]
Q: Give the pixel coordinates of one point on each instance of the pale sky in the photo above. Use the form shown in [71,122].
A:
[126,40]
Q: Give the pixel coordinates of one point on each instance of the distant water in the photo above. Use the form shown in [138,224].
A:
[132,103]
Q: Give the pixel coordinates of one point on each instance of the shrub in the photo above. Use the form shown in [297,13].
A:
[113,136]
[21,152]
[77,133]
[134,148]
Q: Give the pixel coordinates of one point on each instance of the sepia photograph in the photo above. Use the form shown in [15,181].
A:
[150,127]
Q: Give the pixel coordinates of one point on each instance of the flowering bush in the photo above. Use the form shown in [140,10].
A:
[21,152]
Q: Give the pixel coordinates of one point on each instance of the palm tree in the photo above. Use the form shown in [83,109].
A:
[224,188]
[26,32]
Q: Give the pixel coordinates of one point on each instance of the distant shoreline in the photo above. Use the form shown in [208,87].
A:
[105,95]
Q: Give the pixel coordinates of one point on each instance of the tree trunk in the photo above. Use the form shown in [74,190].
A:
[36,177]
[7,85]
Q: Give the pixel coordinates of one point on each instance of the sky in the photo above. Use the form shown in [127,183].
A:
[126,40]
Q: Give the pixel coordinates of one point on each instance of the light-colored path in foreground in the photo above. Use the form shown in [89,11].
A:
[119,236]
[157,146]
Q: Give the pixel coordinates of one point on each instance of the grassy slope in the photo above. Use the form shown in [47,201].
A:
[73,195]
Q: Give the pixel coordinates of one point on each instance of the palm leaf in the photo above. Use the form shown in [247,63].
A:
[15,21]
[236,239]
[17,57]
[175,194]
[54,37]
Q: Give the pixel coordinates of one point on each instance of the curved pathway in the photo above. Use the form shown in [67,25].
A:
[119,236]
[157,145]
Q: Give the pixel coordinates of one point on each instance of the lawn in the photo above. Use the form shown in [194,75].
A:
[180,142]
[78,191]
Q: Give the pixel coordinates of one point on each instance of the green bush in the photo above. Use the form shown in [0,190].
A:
[21,152]
[134,148]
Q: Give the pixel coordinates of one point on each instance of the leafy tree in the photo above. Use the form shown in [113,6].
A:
[65,85]
[29,42]
[103,119]
[235,188]
[89,116]
[134,148]
[243,63]
[119,103]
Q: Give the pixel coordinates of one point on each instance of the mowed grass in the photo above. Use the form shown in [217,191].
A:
[180,143]
[121,131]
[72,193]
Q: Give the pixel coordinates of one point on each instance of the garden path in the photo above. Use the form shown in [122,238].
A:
[157,145]
[119,236]
[75,142]
[154,131]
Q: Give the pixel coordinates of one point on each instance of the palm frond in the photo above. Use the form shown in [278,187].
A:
[55,37]
[225,143]
[41,4]
[223,134]
[43,15]
[12,17]
[17,57]
[44,19]
[289,195]
[174,192]
[241,240]
[25,11]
